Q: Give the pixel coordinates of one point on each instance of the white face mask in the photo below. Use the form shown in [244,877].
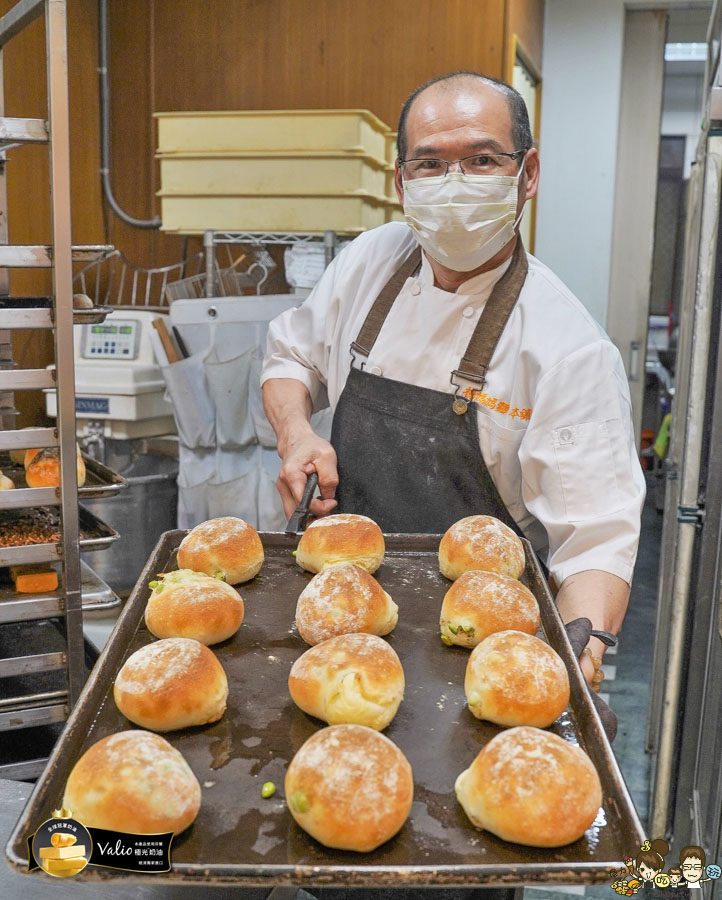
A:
[462,221]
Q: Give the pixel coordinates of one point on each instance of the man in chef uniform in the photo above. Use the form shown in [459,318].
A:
[465,378]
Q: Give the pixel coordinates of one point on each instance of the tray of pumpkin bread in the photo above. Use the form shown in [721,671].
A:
[350,709]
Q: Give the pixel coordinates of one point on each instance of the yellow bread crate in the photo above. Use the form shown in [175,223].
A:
[346,213]
[296,172]
[389,186]
[394,211]
[273,129]
[391,152]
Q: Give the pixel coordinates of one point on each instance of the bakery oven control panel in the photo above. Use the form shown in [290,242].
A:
[118,339]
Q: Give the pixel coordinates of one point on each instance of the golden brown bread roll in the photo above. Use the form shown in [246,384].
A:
[479,603]
[513,678]
[349,787]
[341,538]
[193,605]
[480,542]
[6,484]
[226,547]
[134,781]
[172,683]
[342,599]
[531,787]
[350,679]
[42,467]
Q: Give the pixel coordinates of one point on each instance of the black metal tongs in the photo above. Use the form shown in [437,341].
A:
[300,517]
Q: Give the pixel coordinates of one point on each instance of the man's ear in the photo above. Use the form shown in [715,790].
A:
[398,183]
[531,173]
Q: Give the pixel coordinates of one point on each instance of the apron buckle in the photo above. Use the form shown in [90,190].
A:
[358,349]
[461,404]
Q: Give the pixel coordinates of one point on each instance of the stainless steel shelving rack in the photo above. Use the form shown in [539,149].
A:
[211,239]
[51,706]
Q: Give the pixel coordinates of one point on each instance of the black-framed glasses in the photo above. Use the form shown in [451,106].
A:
[478,164]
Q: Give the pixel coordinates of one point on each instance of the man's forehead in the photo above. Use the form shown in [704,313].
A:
[463,102]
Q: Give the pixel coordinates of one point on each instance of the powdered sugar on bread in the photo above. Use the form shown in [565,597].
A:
[481,542]
[531,787]
[350,787]
[340,599]
[158,665]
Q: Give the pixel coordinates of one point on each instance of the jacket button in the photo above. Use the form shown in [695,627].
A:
[415,289]
[375,370]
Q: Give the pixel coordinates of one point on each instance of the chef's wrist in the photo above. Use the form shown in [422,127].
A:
[293,431]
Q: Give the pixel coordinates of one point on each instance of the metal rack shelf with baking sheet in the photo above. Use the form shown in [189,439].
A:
[100,481]
[46,540]
[16,607]
[38,312]
[63,535]
[239,837]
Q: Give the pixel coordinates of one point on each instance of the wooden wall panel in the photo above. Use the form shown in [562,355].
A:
[525,18]
[317,53]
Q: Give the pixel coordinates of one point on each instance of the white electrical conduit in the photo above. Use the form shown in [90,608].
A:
[689,487]
[105,124]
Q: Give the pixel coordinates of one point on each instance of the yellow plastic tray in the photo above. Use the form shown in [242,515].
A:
[295,129]
[301,172]
[345,213]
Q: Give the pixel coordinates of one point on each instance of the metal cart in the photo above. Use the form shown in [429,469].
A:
[41,657]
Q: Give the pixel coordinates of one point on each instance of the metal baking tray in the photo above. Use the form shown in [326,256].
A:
[239,837]
[98,536]
[92,316]
[15,607]
[100,482]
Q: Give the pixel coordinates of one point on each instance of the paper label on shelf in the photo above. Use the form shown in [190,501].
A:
[305,263]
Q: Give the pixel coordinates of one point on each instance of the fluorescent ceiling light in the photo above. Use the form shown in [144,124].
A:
[693,51]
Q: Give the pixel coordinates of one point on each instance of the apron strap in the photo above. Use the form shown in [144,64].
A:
[383,303]
[475,361]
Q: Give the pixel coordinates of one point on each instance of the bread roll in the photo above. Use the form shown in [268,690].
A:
[479,603]
[226,547]
[193,605]
[42,467]
[134,781]
[349,787]
[172,683]
[531,787]
[481,542]
[18,456]
[350,679]
[6,484]
[341,538]
[342,599]
[513,678]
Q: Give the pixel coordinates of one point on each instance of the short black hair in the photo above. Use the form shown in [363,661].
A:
[520,128]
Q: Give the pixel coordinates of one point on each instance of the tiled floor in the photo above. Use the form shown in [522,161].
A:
[628,673]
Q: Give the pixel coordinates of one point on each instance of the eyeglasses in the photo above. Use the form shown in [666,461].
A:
[689,867]
[478,164]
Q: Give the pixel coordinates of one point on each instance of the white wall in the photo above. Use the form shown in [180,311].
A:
[581,78]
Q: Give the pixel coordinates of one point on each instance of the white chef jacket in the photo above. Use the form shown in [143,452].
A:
[555,424]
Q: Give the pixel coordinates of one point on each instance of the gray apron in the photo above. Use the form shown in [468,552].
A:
[409,457]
